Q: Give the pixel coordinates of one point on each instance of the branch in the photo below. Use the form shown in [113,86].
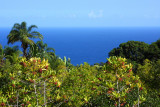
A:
[36,93]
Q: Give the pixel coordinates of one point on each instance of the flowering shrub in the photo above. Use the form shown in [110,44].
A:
[33,83]
[120,84]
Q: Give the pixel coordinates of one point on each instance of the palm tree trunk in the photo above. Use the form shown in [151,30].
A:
[25,52]
[24,46]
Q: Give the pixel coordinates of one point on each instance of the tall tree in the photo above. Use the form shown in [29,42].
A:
[21,33]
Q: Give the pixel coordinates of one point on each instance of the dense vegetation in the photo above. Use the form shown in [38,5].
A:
[40,78]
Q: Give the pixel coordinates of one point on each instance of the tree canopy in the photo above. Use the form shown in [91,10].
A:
[133,50]
[21,33]
[154,51]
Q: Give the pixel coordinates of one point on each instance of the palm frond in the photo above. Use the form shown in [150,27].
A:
[50,49]
[26,40]
[16,26]
[36,35]
[31,27]
[13,37]
[39,43]
[24,25]
[1,50]
[33,51]
[14,56]
[0,46]
[12,32]
[9,50]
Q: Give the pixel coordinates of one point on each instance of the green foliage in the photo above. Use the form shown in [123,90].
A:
[43,79]
[67,62]
[150,73]
[41,50]
[12,53]
[20,33]
[136,52]
[154,51]
[1,48]
[9,50]
[27,81]
[133,50]
[1,53]
[56,63]
[148,70]
[152,99]
[79,85]
[120,81]
[33,82]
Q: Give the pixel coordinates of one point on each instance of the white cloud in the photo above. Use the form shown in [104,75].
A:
[94,14]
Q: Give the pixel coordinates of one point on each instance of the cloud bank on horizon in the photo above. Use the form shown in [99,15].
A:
[83,13]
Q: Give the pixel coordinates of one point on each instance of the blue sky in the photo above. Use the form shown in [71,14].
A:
[80,13]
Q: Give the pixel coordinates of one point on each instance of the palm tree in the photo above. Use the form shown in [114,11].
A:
[12,53]
[1,48]
[21,33]
[9,50]
[42,50]
[1,53]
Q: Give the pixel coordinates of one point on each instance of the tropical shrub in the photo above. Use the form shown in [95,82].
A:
[120,85]
[30,82]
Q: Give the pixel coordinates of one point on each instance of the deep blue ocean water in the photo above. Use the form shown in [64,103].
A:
[90,45]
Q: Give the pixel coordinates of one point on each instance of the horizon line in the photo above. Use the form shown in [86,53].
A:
[89,26]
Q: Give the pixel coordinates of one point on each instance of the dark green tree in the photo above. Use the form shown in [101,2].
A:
[154,51]
[12,53]
[21,33]
[132,50]
[149,73]
[9,50]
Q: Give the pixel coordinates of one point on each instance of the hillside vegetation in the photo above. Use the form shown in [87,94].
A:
[37,77]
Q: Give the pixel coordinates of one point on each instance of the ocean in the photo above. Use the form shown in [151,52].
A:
[90,45]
